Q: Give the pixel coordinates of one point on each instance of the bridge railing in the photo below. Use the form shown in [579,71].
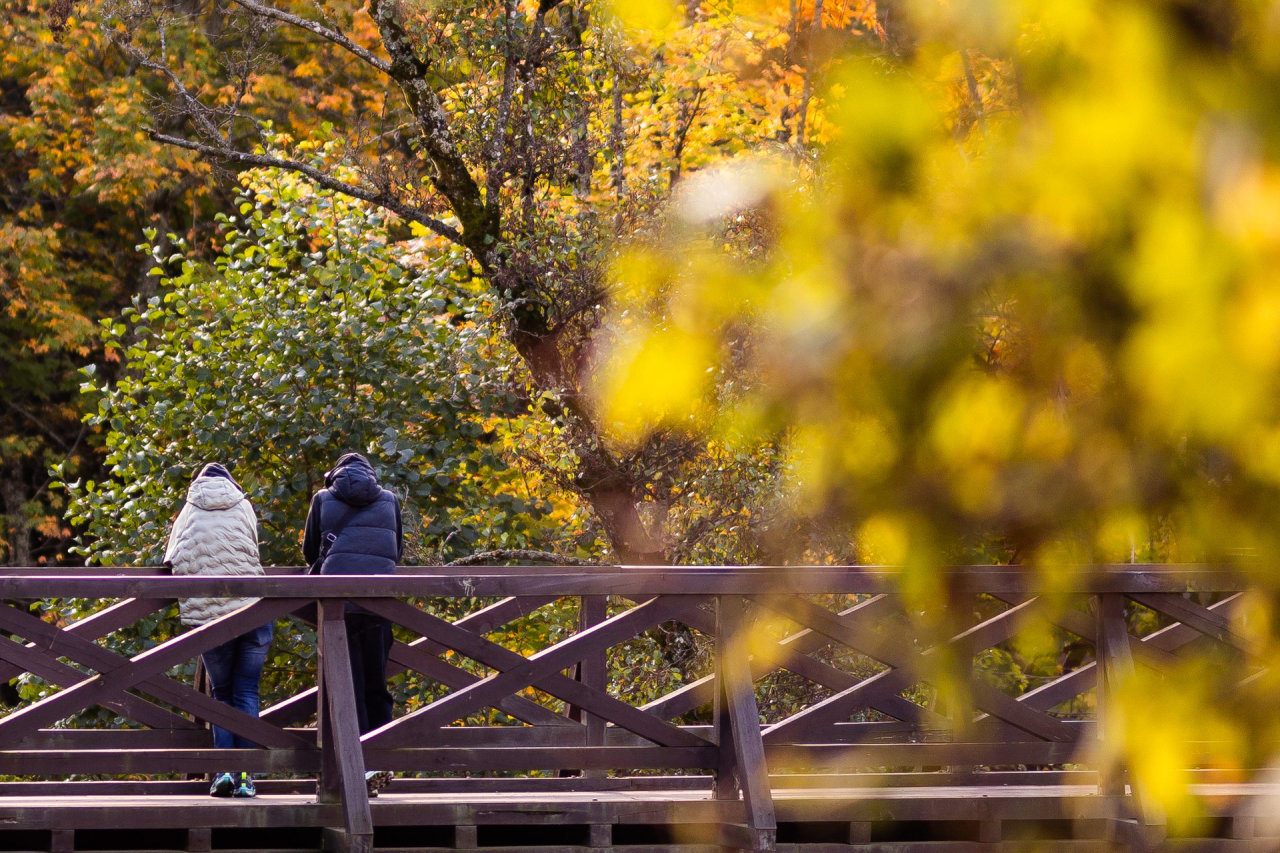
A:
[914,700]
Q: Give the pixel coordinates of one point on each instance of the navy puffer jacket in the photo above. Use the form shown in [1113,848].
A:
[370,541]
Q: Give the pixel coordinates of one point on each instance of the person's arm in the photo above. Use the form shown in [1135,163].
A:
[311,534]
[399,530]
[250,519]
[179,525]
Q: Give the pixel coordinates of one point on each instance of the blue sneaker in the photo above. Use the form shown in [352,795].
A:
[245,788]
[222,785]
[376,780]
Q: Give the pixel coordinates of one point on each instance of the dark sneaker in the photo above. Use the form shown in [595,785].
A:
[222,785]
[245,788]
[376,780]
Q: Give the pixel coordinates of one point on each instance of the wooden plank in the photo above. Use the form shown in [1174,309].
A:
[1065,687]
[112,618]
[80,649]
[486,759]
[29,658]
[342,774]
[1173,637]
[423,661]
[634,580]
[540,670]
[743,717]
[419,655]
[1157,647]
[593,672]
[199,839]
[701,691]
[683,699]
[93,739]
[117,674]
[28,762]
[737,836]
[792,654]
[488,653]
[815,719]
[62,841]
[997,629]
[848,759]
[1072,621]
[727,767]
[1116,658]
[465,837]
[1202,619]
[96,625]
[899,656]
[499,613]
[336,840]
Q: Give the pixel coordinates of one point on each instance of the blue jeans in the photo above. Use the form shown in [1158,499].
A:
[234,669]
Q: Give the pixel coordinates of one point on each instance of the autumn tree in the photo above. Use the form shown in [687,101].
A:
[301,340]
[81,180]
[534,136]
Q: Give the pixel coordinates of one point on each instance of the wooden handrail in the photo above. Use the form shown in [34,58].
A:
[763,619]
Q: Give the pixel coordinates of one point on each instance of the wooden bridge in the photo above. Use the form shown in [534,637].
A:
[871,761]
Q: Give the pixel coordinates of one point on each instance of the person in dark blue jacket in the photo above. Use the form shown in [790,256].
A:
[353,528]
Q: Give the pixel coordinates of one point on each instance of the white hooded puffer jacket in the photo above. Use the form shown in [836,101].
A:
[216,533]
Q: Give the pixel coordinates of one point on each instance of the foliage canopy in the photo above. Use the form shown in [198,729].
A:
[310,334]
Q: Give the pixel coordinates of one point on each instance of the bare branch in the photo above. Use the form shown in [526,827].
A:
[196,109]
[481,224]
[332,35]
[41,425]
[493,151]
[321,178]
[522,554]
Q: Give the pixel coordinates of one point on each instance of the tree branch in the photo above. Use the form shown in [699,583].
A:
[494,149]
[521,554]
[195,108]
[481,226]
[321,178]
[324,32]
[41,425]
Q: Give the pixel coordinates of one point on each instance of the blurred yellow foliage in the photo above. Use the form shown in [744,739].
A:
[1019,298]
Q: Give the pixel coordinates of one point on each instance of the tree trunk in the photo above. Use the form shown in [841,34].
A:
[611,490]
[16,532]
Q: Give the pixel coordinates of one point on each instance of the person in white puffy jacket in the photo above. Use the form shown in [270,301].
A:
[216,533]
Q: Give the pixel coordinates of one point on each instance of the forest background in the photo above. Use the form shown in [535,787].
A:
[814,281]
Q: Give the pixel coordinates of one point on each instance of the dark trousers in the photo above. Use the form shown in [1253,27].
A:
[369,644]
[234,670]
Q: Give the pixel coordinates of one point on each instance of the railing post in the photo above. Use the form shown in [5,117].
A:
[591,671]
[342,761]
[1111,652]
[1115,664]
[594,672]
[737,722]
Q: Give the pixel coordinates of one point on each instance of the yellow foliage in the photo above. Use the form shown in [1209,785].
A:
[1024,293]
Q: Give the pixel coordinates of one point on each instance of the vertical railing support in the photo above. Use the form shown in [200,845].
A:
[1115,665]
[594,674]
[1115,662]
[592,671]
[742,764]
[342,760]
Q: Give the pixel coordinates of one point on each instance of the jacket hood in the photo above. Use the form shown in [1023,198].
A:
[214,492]
[217,469]
[353,481]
